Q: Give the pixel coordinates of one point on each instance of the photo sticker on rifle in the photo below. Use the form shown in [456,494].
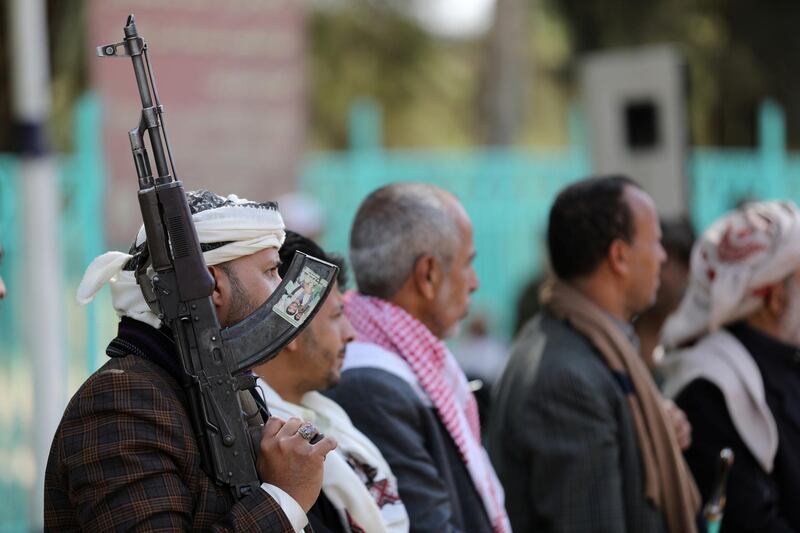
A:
[301,296]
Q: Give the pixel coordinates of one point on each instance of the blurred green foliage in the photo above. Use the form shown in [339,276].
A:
[426,87]
[739,53]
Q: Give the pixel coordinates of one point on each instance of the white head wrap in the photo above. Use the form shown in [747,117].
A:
[736,258]
[228,228]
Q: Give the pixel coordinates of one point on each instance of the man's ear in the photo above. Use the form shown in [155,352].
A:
[619,257]
[292,346]
[220,286]
[427,276]
[775,300]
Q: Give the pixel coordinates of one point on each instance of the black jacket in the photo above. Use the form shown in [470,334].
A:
[757,501]
[562,438]
[432,479]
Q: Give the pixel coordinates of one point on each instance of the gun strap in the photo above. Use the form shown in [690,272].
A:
[262,405]
[142,340]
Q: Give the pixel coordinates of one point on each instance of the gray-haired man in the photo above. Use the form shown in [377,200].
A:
[411,250]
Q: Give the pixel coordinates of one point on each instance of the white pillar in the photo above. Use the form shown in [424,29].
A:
[42,282]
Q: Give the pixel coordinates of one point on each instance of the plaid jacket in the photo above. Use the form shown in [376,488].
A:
[125,458]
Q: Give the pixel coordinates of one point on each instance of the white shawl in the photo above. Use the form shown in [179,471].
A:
[342,485]
[722,360]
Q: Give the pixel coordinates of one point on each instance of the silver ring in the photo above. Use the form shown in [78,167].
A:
[307,431]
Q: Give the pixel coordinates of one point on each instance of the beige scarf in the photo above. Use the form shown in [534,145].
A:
[668,483]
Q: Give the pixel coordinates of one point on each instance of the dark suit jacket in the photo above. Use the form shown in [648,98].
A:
[432,479]
[562,438]
[125,457]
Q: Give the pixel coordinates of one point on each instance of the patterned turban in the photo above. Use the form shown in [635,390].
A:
[228,228]
[732,265]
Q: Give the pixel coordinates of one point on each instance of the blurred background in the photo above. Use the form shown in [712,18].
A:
[318,102]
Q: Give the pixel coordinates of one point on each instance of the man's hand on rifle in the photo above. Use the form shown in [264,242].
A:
[289,461]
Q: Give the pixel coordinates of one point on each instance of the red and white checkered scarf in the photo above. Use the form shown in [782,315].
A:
[392,328]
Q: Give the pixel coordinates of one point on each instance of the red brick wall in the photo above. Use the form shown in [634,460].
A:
[231,76]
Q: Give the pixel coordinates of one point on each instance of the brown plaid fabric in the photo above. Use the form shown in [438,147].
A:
[125,457]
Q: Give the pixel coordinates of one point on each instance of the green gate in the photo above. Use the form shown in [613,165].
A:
[81,184]
[507,193]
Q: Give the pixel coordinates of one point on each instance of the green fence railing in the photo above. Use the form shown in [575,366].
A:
[81,185]
[506,192]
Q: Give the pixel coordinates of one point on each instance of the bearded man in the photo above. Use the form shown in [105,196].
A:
[359,490]
[125,455]
[734,367]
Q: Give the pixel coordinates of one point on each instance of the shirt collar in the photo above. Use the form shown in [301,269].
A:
[282,407]
[627,329]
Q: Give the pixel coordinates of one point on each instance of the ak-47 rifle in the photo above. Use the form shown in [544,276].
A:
[179,288]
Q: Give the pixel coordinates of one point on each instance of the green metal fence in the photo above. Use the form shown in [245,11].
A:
[80,181]
[721,178]
[506,192]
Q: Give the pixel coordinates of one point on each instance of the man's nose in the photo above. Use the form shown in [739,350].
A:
[474,283]
[348,333]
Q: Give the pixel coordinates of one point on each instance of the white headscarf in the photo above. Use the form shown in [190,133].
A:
[736,258]
[232,227]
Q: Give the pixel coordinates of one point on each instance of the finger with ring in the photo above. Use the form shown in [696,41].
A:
[307,431]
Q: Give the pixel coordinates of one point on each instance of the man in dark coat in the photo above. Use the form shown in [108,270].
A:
[411,251]
[125,455]
[578,433]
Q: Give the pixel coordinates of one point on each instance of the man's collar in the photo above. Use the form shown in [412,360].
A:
[276,402]
[627,329]
[143,340]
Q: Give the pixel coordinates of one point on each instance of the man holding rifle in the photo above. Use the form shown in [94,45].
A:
[125,454]
[169,434]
